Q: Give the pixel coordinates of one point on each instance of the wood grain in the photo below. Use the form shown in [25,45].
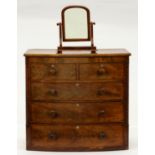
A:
[77,91]
[77,102]
[48,72]
[101,71]
[73,113]
[80,137]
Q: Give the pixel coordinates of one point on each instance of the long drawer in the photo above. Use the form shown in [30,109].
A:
[77,112]
[77,91]
[76,137]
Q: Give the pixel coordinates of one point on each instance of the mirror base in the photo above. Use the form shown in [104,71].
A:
[76,48]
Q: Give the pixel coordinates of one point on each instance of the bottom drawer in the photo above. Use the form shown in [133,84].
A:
[77,138]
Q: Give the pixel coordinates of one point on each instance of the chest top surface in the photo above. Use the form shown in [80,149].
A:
[84,53]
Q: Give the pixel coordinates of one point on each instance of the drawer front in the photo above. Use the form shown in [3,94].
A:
[101,71]
[46,72]
[84,137]
[77,91]
[77,112]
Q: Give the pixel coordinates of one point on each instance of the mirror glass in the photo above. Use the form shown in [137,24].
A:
[76,24]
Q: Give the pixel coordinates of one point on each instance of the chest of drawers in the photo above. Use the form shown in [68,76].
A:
[77,102]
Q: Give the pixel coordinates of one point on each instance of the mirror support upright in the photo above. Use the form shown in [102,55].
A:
[91,48]
[60,38]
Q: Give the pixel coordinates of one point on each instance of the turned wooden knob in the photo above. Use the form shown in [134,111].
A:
[53,92]
[77,84]
[101,92]
[101,71]
[53,71]
[52,136]
[102,135]
[53,114]
[101,113]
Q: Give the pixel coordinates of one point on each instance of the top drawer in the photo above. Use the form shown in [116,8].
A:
[101,71]
[47,72]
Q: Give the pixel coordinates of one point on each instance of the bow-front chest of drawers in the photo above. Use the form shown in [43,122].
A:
[77,102]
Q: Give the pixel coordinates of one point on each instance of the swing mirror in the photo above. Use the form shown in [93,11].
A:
[76,23]
[76,26]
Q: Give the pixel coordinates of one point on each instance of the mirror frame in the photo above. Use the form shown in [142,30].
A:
[63,23]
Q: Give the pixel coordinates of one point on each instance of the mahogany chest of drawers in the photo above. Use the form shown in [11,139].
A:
[77,102]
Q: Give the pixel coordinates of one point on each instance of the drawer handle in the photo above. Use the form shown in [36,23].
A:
[53,114]
[77,84]
[101,71]
[53,71]
[102,135]
[53,92]
[52,65]
[101,113]
[101,92]
[53,136]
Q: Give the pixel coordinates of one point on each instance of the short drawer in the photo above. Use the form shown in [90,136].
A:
[77,112]
[77,91]
[101,71]
[77,137]
[47,72]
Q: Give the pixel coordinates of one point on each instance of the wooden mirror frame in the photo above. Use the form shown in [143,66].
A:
[62,38]
[63,23]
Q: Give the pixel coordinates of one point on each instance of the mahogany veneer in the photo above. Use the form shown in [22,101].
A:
[77,102]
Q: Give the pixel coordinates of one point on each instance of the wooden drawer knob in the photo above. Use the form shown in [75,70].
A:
[52,136]
[53,92]
[52,65]
[101,92]
[77,84]
[101,71]
[53,114]
[102,135]
[101,113]
[53,71]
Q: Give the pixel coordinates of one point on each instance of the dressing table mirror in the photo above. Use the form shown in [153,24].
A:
[76,27]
